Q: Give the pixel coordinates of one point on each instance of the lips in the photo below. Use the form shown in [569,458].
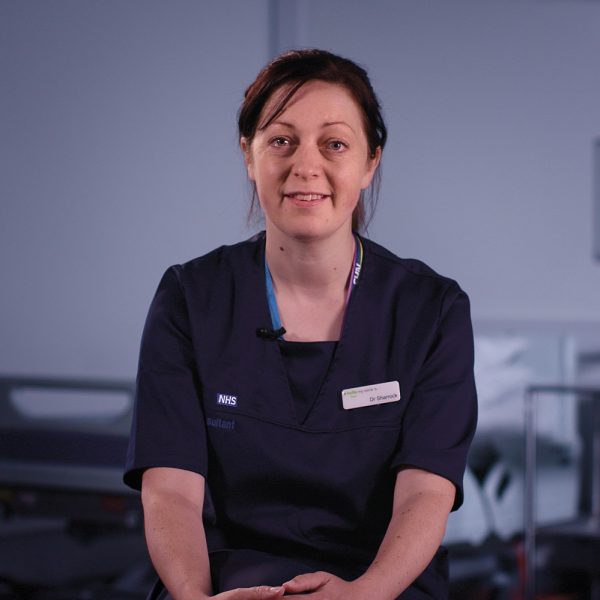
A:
[306,196]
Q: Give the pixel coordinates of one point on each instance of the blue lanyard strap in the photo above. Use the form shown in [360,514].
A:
[354,276]
[275,319]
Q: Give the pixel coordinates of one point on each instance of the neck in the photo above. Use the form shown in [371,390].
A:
[319,264]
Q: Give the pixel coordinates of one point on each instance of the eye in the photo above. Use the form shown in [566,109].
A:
[337,145]
[279,142]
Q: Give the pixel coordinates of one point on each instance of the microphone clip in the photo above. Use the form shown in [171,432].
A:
[268,333]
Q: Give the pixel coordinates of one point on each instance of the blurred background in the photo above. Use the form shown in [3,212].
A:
[119,157]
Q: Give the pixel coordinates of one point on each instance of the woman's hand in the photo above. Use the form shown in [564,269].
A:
[322,585]
[259,592]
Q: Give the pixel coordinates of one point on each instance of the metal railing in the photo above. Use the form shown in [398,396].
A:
[532,395]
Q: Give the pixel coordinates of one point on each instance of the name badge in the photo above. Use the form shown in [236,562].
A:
[371,395]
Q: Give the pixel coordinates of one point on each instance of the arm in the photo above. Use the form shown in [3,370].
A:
[173,500]
[422,502]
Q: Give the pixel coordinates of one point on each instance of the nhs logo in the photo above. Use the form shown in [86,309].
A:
[227,400]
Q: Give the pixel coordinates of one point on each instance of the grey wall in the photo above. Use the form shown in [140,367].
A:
[119,157]
[493,108]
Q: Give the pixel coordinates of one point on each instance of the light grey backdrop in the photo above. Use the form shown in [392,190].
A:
[119,154]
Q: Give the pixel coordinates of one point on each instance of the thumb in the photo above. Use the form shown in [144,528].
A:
[307,582]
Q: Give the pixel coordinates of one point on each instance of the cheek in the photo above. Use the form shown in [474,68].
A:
[354,181]
[269,174]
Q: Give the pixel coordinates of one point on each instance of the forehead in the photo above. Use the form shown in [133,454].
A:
[314,99]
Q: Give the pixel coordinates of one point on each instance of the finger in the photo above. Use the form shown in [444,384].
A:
[264,592]
[306,582]
[260,592]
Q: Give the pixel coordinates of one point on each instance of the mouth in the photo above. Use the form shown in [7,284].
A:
[307,197]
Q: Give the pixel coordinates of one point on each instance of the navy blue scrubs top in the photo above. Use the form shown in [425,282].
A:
[305,479]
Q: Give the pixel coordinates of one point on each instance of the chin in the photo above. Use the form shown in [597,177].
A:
[313,231]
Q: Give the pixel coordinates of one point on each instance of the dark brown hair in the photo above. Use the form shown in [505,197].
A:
[292,70]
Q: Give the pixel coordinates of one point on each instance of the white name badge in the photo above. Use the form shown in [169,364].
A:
[371,395]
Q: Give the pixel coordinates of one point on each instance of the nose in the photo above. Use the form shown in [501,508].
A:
[307,162]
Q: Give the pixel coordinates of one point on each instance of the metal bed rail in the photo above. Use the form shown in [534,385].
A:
[592,522]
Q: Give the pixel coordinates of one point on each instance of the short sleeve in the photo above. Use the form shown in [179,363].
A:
[168,427]
[441,416]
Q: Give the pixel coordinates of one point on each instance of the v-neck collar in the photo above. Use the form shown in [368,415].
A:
[353,278]
[338,355]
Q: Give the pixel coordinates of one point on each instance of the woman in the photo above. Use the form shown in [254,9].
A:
[318,386]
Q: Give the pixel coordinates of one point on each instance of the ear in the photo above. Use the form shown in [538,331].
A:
[372,164]
[245,146]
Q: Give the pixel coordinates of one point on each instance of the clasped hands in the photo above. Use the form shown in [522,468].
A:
[316,586]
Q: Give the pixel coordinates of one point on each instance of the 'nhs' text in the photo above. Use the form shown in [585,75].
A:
[226,400]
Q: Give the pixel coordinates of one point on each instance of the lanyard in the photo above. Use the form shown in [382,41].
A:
[354,275]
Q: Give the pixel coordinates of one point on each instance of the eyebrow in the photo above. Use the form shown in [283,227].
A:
[326,124]
[329,123]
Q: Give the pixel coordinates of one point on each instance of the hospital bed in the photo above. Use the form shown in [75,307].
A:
[67,522]
[486,536]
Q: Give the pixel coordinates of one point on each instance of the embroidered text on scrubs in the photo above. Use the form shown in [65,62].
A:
[220,423]
[226,400]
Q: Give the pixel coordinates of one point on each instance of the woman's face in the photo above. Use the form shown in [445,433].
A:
[311,162]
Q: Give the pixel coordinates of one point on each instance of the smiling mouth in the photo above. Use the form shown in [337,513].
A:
[306,197]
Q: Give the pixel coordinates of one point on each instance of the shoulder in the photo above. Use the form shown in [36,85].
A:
[220,262]
[207,283]
[413,275]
